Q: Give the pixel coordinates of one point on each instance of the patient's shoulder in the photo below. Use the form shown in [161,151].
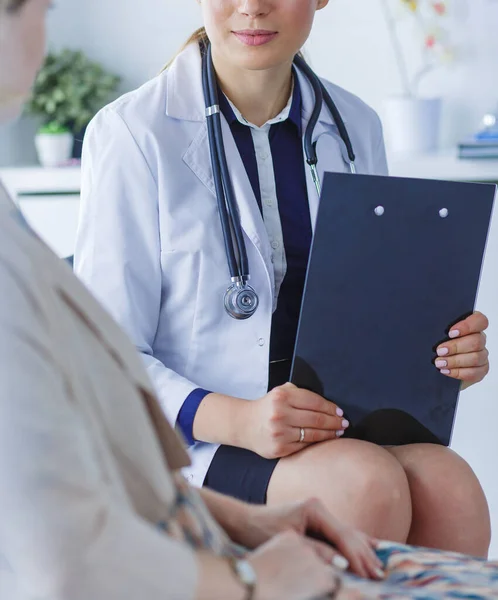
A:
[23,265]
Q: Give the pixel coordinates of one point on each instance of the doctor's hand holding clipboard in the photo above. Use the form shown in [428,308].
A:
[283,422]
[199,199]
[465,356]
[288,419]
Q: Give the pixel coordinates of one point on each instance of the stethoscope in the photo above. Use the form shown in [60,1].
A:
[241,300]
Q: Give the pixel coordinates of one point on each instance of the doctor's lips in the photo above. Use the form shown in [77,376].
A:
[255,37]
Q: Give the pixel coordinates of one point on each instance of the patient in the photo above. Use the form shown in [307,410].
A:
[92,501]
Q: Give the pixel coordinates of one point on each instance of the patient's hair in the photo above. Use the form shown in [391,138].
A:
[12,5]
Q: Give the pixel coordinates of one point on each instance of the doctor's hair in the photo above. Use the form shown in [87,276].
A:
[199,36]
[12,6]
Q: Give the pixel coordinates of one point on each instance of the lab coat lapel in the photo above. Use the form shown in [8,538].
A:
[198,159]
[185,101]
[331,150]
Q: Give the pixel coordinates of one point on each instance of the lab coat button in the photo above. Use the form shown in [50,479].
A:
[261,342]
[275,245]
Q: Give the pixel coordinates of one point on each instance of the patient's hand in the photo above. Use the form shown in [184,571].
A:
[465,357]
[311,517]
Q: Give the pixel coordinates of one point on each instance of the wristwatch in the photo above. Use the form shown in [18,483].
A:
[246,575]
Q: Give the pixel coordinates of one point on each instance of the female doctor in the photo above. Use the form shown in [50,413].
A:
[162,238]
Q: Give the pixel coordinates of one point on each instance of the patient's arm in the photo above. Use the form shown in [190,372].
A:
[252,526]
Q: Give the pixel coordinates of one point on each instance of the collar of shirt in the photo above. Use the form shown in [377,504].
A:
[291,112]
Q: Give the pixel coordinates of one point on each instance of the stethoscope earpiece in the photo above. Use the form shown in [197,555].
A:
[241,301]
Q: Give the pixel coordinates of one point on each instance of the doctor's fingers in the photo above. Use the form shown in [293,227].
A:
[470,368]
[476,323]
[463,361]
[311,436]
[475,342]
[469,376]
[306,400]
[316,420]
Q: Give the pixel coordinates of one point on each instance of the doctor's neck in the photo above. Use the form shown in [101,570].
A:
[259,95]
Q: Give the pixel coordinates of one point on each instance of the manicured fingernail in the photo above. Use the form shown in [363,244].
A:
[440,364]
[380,574]
[445,371]
[454,333]
[339,412]
[340,562]
[339,434]
[345,424]
[442,351]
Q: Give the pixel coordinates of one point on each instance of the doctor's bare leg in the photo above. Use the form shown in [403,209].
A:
[450,510]
[360,483]
[427,496]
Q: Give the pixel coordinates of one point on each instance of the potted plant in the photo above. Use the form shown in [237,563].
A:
[69,90]
[412,121]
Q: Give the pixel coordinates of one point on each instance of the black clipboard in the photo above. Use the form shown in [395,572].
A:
[394,264]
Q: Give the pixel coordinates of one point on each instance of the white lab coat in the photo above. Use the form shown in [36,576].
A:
[150,244]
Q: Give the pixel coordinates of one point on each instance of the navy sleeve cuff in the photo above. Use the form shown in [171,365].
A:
[187,414]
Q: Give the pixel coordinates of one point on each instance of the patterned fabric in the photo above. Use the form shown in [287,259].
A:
[411,573]
[190,521]
[416,573]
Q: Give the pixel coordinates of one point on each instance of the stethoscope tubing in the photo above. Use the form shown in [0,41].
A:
[241,272]
[218,183]
[233,235]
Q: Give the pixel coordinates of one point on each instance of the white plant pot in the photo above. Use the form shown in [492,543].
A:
[412,125]
[54,149]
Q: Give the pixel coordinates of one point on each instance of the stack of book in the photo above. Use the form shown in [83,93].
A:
[476,148]
[482,145]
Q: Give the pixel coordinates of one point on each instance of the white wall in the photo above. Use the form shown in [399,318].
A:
[475,433]
[133,39]
[349,46]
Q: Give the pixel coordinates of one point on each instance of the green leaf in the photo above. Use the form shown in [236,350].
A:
[53,128]
[70,89]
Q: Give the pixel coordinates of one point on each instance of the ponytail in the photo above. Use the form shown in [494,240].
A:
[197,37]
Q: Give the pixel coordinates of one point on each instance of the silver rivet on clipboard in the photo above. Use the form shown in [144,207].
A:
[443,213]
[379,211]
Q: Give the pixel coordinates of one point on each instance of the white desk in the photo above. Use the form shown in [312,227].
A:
[49,199]
[444,166]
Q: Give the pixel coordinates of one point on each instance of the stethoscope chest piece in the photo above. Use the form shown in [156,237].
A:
[241,301]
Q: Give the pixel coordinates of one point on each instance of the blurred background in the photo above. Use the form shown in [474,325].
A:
[350,45]
[430,68]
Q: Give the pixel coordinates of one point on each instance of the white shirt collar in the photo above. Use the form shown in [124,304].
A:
[282,116]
